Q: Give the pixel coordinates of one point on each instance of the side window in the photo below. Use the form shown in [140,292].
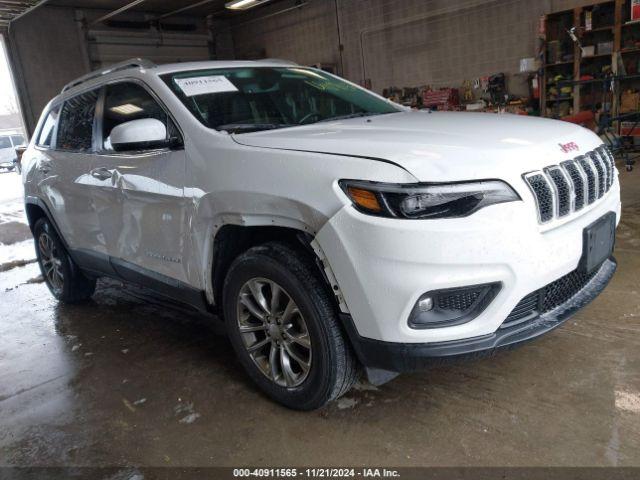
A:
[76,123]
[48,127]
[5,142]
[130,101]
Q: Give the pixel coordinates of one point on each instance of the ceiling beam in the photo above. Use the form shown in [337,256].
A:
[184,9]
[26,7]
[118,11]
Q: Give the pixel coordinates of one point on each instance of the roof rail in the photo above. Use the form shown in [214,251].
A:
[279,60]
[116,67]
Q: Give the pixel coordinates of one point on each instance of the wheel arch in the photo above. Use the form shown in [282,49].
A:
[231,240]
[35,209]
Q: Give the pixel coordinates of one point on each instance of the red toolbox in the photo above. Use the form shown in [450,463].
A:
[443,99]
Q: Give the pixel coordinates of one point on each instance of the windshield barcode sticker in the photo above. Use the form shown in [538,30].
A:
[202,85]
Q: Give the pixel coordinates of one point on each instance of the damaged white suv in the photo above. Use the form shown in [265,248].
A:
[334,231]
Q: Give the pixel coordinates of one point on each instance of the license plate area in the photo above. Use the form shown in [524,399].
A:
[598,241]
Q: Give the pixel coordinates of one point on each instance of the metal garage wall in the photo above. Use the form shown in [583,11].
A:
[51,46]
[45,52]
[401,42]
[138,34]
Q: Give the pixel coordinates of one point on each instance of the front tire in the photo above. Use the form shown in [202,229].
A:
[284,328]
[62,276]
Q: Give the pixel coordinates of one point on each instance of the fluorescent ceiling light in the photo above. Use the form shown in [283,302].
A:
[126,109]
[243,4]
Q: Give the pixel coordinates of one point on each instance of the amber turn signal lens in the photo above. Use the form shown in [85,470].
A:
[364,199]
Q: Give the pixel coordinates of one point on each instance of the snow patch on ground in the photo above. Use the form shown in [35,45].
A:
[345,402]
[628,401]
[186,407]
[24,250]
[11,199]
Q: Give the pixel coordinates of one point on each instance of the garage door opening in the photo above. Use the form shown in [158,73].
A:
[11,127]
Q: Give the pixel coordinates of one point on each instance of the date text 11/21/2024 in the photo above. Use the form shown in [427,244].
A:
[315,473]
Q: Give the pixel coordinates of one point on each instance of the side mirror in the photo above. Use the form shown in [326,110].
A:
[142,134]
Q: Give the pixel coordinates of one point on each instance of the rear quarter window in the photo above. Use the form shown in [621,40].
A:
[45,136]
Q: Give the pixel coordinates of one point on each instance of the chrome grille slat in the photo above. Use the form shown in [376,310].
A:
[579,181]
[543,193]
[606,165]
[601,176]
[592,182]
[612,163]
[560,190]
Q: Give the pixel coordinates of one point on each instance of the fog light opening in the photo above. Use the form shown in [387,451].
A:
[452,306]
[425,304]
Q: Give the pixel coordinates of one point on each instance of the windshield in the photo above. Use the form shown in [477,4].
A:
[241,100]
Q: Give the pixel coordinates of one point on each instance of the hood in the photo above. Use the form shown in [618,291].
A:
[439,146]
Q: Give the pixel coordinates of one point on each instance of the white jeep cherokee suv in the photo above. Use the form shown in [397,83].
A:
[331,228]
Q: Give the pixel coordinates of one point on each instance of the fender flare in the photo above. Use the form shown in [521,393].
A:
[37,201]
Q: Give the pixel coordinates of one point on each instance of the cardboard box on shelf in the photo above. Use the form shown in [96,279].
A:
[605,48]
[629,101]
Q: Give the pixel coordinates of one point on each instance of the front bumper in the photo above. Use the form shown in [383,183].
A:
[382,266]
[405,357]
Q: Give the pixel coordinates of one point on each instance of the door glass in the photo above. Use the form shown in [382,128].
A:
[5,142]
[76,123]
[129,101]
[46,132]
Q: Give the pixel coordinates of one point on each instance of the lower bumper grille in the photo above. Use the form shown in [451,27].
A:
[549,297]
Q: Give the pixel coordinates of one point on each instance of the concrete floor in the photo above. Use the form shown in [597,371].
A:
[132,380]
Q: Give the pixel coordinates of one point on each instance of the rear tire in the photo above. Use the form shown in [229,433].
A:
[63,277]
[313,363]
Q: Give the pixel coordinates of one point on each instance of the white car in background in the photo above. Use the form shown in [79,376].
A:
[8,144]
[334,230]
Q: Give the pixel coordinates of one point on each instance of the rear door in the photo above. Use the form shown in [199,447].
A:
[140,201]
[64,160]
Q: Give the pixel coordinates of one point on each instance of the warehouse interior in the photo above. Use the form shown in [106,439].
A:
[134,381]
[381,44]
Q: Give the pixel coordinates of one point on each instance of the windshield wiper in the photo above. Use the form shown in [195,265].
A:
[350,115]
[251,127]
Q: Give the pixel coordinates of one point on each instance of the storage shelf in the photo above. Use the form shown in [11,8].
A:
[606,28]
[558,64]
[560,99]
[599,29]
[597,55]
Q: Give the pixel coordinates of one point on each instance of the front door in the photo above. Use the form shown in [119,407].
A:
[140,202]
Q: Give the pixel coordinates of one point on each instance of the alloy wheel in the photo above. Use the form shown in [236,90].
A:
[274,332]
[51,262]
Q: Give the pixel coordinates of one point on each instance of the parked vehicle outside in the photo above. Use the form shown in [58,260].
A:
[8,144]
[333,231]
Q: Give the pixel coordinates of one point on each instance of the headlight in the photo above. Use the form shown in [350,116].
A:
[436,200]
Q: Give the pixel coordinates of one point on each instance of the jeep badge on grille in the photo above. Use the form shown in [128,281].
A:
[569,147]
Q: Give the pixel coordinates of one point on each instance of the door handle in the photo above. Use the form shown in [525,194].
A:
[101,173]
